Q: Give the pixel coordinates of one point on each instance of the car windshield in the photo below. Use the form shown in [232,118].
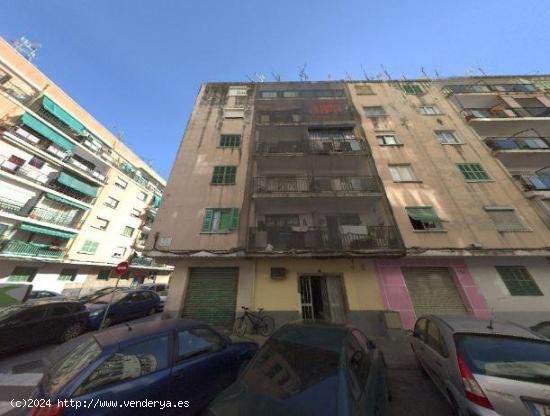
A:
[7,311]
[107,298]
[506,357]
[63,370]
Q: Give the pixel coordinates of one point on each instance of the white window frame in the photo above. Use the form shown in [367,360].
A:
[119,252]
[101,227]
[383,136]
[397,171]
[433,112]
[381,114]
[518,227]
[443,137]
[110,198]
[121,183]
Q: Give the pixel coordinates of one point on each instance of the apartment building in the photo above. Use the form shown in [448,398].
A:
[345,200]
[74,200]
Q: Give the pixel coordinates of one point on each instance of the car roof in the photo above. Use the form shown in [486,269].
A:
[473,325]
[46,301]
[122,333]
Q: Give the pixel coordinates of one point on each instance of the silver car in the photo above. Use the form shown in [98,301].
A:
[485,368]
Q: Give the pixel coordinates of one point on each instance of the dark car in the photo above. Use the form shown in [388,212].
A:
[124,305]
[38,322]
[175,359]
[310,368]
[96,294]
[155,287]
[46,294]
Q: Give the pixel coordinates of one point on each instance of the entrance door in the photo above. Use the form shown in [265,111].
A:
[212,295]
[433,291]
[322,298]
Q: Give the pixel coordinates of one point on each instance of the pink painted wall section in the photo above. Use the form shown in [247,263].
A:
[395,294]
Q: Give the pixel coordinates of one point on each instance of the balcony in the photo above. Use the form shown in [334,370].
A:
[10,206]
[142,261]
[518,143]
[25,172]
[535,182]
[505,113]
[493,88]
[312,146]
[30,249]
[54,217]
[281,239]
[323,185]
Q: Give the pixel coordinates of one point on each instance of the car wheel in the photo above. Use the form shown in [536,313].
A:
[71,332]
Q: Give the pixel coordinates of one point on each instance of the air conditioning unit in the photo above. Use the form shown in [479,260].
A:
[278,273]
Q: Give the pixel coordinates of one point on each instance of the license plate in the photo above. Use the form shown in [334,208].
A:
[539,409]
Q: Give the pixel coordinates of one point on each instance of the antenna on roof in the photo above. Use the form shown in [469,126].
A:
[26,48]
[365,75]
[349,76]
[424,73]
[276,76]
[481,70]
[260,76]
[437,74]
[386,73]
[302,72]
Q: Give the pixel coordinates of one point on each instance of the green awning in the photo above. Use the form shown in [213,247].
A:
[62,115]
[31,228]
[156,201]
[76,184]
[66,201]
[50,134]
[422,214]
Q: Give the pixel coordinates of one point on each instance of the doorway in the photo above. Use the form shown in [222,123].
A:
[322,298]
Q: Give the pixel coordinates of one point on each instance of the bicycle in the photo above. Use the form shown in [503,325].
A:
[264,324]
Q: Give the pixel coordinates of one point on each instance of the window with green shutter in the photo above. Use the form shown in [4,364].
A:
[220,220]
[68,275]
[89,247]
[518,281]
[424,218]
[413,89]
[230,140]
[104,274]
[224,175]
[473,172]
[128,231]
[22,274]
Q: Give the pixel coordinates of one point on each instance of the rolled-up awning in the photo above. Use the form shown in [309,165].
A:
[76,184]
[62,115]
[422,214]
[46,131]
[156,201]
[65,201]
[31,228]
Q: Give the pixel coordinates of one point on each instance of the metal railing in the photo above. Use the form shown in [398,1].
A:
[312,146]
[298,238]
[25,171]
[70,192]
[29,249]
[518,143]
[536,182]
[8,205]
[315,184]
[495,88]
[142,261]
[54,217]
[520,112]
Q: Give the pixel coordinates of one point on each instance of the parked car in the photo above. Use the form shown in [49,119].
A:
[542,328]
[155,287]
[124,305]
[46,294]
[308,368]
[174,359]
[40,321]
[96,294]
[485,367]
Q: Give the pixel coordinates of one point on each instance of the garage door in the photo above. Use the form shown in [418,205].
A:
[212,295]
[433,290]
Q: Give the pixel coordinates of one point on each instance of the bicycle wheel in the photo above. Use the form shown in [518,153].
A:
[240,326]
[266,325]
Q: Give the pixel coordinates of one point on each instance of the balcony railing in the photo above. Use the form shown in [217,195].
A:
[29,249]
[313,146]
[8,205]
[518,143]
[315,184]
[273,239]
[54,217]
[474,113]
[536,182]
[26,172]
[142,261]
[495,88]
[70,192]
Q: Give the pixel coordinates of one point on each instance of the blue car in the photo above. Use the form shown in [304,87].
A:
[182,361]
[126,305]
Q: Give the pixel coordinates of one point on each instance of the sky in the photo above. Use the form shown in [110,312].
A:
[137,65]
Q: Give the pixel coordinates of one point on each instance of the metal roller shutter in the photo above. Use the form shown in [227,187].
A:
[433,291]
[212,295]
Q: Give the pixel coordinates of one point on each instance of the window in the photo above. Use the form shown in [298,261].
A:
[36,162]
[429,110]
[233,113]
[220,220]
[518,281]
[268,94]
[119,252]
[68,275]
[435,340]
[129,363]
[100,223]
[111,202]
[22,274]
[142,196]
[473,172]
[387,139]
[230,140]
[447,137]
[3,228]
[238,91]
[31,314]
[58,310]
[197,341]
[420,329]
[128,231]
[136,213]
[505,219]
[424,218]
[290,94]
[413,89]
[374,111]
[402,173]
[121,183]
[224,175]
[89,247]
[103,274]
[363,89]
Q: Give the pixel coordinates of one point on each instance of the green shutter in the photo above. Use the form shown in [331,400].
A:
[22,274]
[234,218]
[225,220]
[473,171]
[31,228]
[156,201]
[207,221]
[89,247]
[224,175]
[77,185]
[67,275]
[422,214]
[50,134]
[65,201]
[518,281]
[62,115]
